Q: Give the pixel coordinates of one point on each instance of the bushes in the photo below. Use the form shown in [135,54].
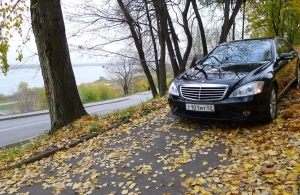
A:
[26,99]
[42,102]
[106,92]
[87,93]
[94,92]
[2,97]
[140,84]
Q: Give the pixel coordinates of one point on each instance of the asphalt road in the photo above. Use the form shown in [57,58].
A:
[20,127]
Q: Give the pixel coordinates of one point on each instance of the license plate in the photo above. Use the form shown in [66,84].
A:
[200,107]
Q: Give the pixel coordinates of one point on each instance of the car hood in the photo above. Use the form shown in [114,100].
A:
[221,73]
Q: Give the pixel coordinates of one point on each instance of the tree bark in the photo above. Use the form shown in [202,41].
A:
[225,27]
[235,11]
[175,40]
[62,95]
[153,40]
[172,56]
[162,33]
[139,46]
[125,89]
[188,35]
[201,28]
[228,22]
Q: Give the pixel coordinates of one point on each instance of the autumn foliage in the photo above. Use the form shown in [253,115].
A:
[258,158]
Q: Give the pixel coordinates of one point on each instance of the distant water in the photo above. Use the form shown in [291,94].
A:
[34,78]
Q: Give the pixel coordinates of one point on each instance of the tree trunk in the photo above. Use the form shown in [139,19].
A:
[237,7]
[188,35]
[201,28]
[162,33]
[139,46]
[172,56]
[225,27]
[162,62]
[153,40]
[229,22]
[174,37]
[49,30]
[125,89]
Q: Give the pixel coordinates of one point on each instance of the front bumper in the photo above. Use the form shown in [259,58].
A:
[251,108]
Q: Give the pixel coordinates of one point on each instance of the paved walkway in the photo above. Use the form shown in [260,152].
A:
[152,155]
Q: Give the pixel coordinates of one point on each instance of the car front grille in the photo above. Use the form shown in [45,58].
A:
[203,92]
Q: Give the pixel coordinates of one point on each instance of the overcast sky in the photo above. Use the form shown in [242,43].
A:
[76,58]
[30,48]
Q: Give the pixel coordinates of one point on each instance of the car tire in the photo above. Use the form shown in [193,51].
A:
[271,105]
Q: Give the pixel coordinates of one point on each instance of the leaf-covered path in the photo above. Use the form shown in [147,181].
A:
[148,155]
[162,154]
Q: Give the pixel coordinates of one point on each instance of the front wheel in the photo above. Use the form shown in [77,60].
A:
[271,105]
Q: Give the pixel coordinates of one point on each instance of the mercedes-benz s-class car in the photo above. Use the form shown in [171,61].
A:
[238,80]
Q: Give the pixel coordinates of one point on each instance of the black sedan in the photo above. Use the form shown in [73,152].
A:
[239,80]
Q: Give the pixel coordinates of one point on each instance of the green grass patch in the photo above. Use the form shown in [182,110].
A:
[10,153]
[8,106]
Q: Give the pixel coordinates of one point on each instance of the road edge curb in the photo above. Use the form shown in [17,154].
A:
[24,115]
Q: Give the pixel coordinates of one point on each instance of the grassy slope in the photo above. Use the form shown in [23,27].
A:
[4,107]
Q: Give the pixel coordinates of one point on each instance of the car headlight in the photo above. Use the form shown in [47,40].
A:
[173,89]
[248,89]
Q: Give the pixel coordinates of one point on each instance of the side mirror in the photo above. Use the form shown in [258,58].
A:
[286,56]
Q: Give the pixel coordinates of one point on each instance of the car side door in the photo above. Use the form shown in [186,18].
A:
[285,67]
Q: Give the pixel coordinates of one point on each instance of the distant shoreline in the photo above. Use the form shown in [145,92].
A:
[31,66]
[84,73]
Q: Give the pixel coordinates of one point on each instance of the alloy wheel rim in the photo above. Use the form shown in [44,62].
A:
[273,103]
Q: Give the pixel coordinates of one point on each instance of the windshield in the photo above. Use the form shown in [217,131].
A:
[241,52]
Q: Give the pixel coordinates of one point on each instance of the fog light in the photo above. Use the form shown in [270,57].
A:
[246,113]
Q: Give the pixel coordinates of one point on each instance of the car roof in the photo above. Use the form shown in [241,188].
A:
[260,38]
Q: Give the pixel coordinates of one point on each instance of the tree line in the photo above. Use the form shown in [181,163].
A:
[160,31]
